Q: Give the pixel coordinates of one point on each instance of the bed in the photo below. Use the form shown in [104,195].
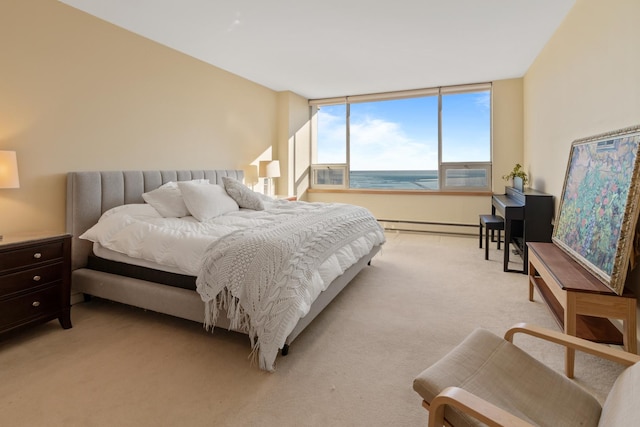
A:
[92,193]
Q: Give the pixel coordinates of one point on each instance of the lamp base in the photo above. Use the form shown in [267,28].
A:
[268,187]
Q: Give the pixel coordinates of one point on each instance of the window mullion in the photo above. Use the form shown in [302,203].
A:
[348,177]
[440,174]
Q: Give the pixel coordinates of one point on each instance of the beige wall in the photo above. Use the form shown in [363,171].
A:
[584,82]
[506,151]
[293,142]
[507,129]
[77,93]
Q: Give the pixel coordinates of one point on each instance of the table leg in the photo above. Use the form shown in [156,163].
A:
[570,329]
[507,243]
[525,254]
[532,274]
[629,336]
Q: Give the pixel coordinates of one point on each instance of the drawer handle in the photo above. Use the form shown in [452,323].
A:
[36,303]
[37,255]
[36,278]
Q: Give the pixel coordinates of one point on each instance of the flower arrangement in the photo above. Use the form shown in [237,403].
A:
[517,172]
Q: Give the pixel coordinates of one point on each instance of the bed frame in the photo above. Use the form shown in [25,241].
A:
[90,194]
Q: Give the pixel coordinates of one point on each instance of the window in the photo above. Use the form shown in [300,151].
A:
[394,144]
[329,176]
[332,134]
[431,139]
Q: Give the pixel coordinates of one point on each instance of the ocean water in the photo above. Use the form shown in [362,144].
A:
[407,180]
[416,180]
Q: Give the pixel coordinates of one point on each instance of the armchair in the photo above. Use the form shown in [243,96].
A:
[487,380]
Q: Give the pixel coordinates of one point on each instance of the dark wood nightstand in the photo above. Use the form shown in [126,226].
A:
[35,280]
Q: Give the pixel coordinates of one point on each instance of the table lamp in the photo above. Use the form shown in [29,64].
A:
[269,169]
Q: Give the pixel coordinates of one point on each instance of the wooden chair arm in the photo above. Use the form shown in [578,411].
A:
[603,351]
[473,405]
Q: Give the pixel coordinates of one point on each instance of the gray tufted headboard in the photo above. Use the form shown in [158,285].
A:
[90,194]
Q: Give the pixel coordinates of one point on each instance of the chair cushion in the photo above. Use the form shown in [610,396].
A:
[501,373]
[621,407]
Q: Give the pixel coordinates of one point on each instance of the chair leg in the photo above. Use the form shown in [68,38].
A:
[444,422]
[486,245]
[498,239]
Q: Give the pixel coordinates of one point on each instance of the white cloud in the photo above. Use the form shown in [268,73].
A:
[484,100]
[378,144]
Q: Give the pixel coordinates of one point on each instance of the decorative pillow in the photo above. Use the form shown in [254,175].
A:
[243,195]
[206,201]
[167,199]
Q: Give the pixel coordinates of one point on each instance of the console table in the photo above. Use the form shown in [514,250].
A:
[581,304]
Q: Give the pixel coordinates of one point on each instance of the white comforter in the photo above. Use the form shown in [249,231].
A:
[138,231]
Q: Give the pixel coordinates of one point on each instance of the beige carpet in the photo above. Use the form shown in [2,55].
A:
[354,366]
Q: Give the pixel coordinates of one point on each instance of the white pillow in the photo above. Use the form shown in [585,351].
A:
[133,209]
[243,195]
[106,228]
[113,220]
[167,199]
[206,201]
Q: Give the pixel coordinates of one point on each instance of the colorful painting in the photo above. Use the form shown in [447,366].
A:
[599,205]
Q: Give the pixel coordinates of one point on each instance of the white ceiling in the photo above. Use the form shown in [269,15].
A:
[329,48]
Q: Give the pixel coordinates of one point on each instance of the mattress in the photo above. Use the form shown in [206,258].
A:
[134,271]
[108,255]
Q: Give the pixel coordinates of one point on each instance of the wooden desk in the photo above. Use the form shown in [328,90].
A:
[581,304]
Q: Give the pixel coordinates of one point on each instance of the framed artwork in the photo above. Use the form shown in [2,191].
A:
[599,205]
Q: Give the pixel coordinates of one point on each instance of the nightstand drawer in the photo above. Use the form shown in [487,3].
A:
[30,306]
[30,256]
[27,279]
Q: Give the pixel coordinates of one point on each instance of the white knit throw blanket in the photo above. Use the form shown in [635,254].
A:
[260,275]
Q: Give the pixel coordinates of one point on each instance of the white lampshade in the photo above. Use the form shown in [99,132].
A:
[9,170]
[269,169]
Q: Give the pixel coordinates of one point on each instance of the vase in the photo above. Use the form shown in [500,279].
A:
[517,183]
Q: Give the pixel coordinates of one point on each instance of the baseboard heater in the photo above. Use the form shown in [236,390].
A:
[429,227]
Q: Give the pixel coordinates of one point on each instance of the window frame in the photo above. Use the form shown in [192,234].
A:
[329,166]
[443,167]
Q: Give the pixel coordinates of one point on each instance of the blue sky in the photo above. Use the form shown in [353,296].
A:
[403,134]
